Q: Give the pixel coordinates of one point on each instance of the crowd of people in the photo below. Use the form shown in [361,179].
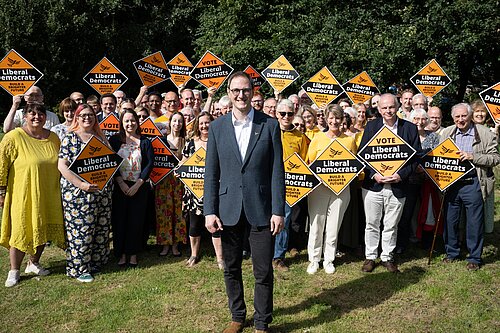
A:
[44,201]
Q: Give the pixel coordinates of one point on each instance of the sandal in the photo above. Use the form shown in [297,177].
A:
[192,261]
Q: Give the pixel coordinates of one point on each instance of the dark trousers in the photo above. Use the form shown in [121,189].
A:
[469,195]
[404,225]
[298,237]
[127,218]
[262,246]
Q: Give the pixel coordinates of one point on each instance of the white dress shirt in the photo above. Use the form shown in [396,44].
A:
[242,131]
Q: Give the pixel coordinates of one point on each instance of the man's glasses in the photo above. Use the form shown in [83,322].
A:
[86,115]
[236,91]
[286,114]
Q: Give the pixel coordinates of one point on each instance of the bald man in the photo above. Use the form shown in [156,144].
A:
[15,116]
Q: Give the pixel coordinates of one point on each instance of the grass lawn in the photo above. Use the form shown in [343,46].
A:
[162,295]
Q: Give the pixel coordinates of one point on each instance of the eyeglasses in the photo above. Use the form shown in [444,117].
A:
[86,115]
[299,125]
[258,101]
[173,101]
[35,113]
[236,91]
[320,115]
[286,114]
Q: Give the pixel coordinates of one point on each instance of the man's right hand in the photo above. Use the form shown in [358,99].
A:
[213,223]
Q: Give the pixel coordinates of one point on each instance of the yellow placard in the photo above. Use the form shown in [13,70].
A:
[491,98]
[17,75]
[96,163]
[180,67]
[299,179]
[211,71]
[443,164]
[280,74]
[323,87]
[431,79]
[152,69]
[192,172]
[386,152]
[360,88]
[105,77]
[336,166]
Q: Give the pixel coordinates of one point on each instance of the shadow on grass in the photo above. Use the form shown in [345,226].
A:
[331,304]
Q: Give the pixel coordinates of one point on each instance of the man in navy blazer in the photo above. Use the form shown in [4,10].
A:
[245,185]
[385,196]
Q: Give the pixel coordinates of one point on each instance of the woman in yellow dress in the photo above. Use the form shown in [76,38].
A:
[29,193]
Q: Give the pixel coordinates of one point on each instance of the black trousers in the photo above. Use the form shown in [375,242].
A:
[262,247]
[127,218]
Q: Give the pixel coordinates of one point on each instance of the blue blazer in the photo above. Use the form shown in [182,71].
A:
[409,133]
[256,184]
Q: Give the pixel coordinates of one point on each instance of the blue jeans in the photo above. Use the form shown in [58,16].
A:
[469,195]
[281,242]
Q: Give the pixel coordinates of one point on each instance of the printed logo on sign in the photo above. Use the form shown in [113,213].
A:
[164,161]
[323,87]
[386,152]
[299,179]
[280,74]
[105,77]
[257,79]
[336,166]
[17,75]
[152,69]
[431,79]
[211,71]
[360,88]
[96,163]
[192,173]
[443,164]
[491,98]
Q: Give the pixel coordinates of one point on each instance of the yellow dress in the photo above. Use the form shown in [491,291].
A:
[32,213]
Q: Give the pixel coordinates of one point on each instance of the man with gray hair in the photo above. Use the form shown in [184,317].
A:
[225,104]
[270,107]
[419,101]
[477,144]
[435,119]
[384,196]
[294,98]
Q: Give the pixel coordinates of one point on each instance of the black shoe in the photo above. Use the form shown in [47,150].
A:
[177,255]
[132,265]
[399,250]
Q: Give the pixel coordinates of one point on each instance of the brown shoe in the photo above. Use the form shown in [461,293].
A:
[447,260]
[390,266]
[261,331]
[234,327]
[279,264]
[368,266]
[472,266]
[294,252]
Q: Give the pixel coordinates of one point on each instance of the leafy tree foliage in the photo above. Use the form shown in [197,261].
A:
[391,40]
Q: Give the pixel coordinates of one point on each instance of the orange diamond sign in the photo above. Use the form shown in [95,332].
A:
[96,163]
[192,172]
[360,88]
[443,164]
[299,179]
[149,129]
[17,75]
[211,71]
[105,77]
[164,162]
[179,68]
[491,98]
[431,79]
[336,166]
[280,74]
[323,87]
[386,152]
[257,79]
[152,69]
[110,125]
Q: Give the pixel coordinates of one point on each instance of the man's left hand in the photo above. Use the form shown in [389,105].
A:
[277,224]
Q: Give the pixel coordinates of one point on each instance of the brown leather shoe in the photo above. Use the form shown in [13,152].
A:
[447,260]
[368,266]
[234,327]
[390,266]
[279,264]
[472,266]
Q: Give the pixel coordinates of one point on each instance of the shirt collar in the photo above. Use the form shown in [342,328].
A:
[469,132]
[395,123]
[246,120]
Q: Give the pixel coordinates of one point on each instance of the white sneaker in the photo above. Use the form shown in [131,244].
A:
[313,267]
[36,268]
[329,268]
[86,278]
[12,278]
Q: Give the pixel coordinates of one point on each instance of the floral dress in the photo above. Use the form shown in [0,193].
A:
[87,218]
[170,226]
